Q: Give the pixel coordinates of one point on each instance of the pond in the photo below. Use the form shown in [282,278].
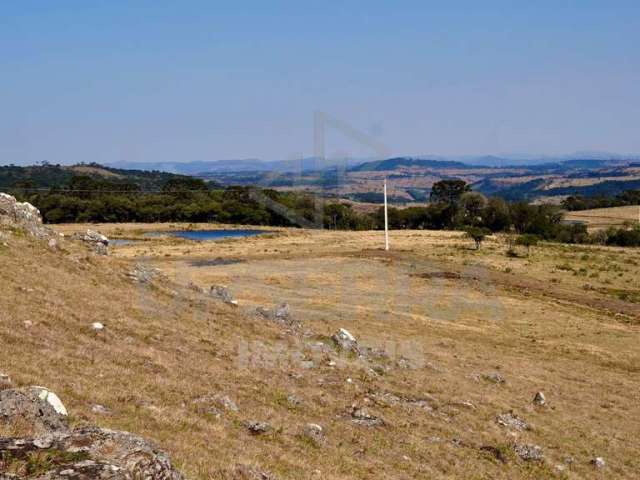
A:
[202,235]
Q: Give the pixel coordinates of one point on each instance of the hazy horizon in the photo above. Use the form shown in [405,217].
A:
[162,82]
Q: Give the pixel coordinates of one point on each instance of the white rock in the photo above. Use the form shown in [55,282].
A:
[97,326]
[345,335]
[53,400]
[540,399]
[598,462]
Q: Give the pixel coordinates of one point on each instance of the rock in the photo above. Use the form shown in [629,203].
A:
[91,453]
[294,401]
[314,433]
[283,313]
[212,404]
[24,216]
[512,421]
[144,274]
[539,399]
[5,381]
[259,428]
[529,453]
[221,292]
[494,377]
[97,241]
[363,417]
[598,462]
[38,407]
[100,410]
[345,341]
[249,472]
[280,314]
[97,326]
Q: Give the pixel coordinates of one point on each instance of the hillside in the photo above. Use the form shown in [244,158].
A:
[410,179]
[445,350]
[606,217]
[46,176]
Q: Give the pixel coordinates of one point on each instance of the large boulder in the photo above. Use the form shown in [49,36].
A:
[87,453]
[23,215]
[35,408]
[83,453]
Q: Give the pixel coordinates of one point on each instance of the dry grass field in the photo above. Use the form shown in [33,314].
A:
[564,320]
[598,218]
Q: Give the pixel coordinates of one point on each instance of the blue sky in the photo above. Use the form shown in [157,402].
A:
[201,80]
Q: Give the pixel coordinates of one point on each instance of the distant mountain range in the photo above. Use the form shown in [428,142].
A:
[311,164]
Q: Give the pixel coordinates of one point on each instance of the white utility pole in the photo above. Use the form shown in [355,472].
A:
[386,218]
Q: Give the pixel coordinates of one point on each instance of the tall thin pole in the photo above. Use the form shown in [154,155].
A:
[386,218]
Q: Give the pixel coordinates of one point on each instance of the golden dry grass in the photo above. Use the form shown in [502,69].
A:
[606,217]
[165,345]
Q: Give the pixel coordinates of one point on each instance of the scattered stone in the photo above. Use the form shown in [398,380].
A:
[259,428]
[280,314]
[315,433]
[598,462]
[100,410]
[97,326]
[27,323]
[361,416]
[143,273]
[494,377]
[212,404]
[37,406]
[249,472]
[220,292]
[529,453]
[98,242]
[294,401]
[5,381]
[227,403]
[388,399]
[512,421]
[345,341]
[540,399]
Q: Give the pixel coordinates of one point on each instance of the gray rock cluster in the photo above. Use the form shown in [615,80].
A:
[362,417]
[23,215]
[529,453]
[345,341]
[220,292]
[280,314]
[98,242]
[142,273]
[86,452]
[512,421]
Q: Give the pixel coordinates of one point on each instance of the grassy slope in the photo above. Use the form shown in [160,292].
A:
[166,345]
[606,217]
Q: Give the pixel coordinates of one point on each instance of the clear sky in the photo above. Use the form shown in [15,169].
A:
[156,80]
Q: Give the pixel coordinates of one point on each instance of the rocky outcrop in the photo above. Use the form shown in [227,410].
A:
[96,241]
[86,452]
[36,407]
[24,216]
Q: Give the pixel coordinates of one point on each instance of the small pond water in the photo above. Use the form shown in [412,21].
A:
[215,234]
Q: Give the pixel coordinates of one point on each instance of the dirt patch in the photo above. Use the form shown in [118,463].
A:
[215,262]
